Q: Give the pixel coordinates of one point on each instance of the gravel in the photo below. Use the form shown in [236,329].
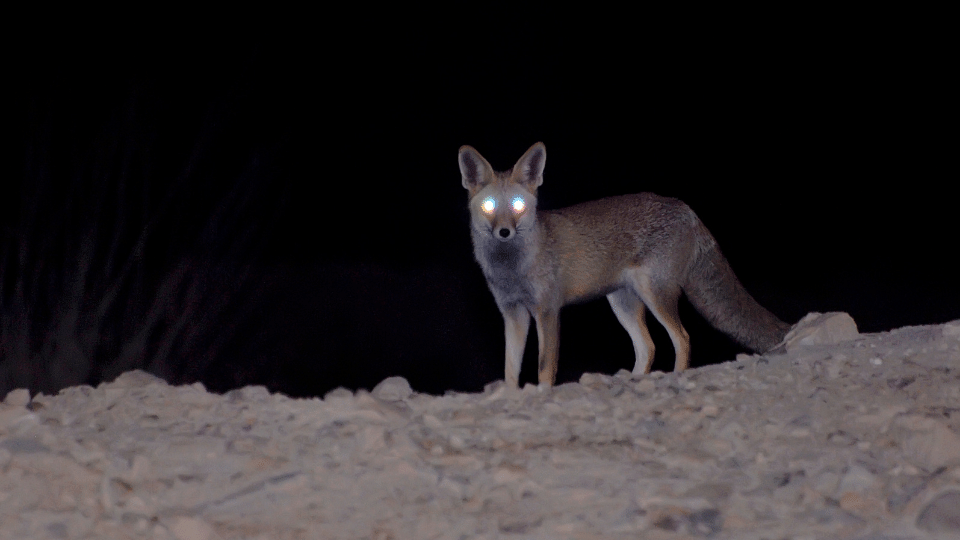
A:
[835,435]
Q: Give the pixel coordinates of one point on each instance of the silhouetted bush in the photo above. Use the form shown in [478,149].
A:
[130,241]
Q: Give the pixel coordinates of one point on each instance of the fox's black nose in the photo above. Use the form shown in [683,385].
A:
[504,233]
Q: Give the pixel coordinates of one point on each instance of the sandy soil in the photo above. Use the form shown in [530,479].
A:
[834,435]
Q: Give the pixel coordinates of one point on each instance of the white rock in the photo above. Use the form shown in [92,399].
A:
[646,385]
[432,422]
[942,514]
[392,389]
[821,329]
[17,398]
[136,379]
[372,439]
[857,479]
[952,330]
[189,528]
[339,393]
[931,443]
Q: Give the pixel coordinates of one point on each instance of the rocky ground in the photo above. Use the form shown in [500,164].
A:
[835,435]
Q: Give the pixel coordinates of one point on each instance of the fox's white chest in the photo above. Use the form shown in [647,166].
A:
[506,267]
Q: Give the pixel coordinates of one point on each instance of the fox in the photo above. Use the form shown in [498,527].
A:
[641,251]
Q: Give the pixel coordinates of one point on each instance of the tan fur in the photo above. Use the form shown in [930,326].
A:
[640,251]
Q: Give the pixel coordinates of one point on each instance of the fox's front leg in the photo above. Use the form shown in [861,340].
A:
[516,321]
[548,337]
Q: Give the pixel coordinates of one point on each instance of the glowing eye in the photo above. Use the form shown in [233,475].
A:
[488,205]
[518,204]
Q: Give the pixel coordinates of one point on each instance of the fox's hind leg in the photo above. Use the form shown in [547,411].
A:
[661,299]
[629,310]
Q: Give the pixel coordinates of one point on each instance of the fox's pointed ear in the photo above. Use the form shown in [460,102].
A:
[530,166]
[474,170]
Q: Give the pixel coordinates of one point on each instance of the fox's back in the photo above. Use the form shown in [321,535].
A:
[621,226]
[592,243]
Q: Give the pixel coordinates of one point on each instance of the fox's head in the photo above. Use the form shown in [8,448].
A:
[502,204]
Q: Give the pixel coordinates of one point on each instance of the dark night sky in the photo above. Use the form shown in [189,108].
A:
[819,148]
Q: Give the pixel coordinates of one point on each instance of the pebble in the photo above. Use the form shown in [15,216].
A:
[942,514]
[19,397]
[837,435]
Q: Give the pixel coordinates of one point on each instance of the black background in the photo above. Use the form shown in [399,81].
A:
[819,147]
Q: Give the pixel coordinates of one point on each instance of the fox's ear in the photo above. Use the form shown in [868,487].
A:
[530,166]
[474,170]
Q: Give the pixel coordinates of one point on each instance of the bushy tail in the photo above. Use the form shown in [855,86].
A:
[717,294]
